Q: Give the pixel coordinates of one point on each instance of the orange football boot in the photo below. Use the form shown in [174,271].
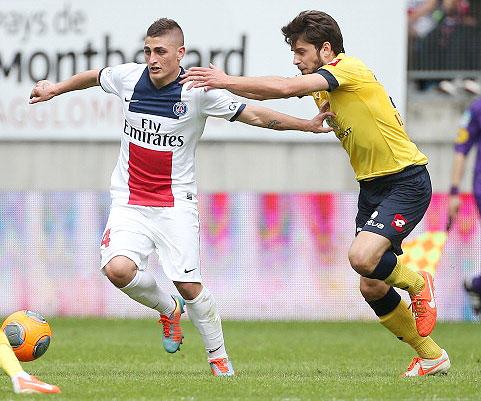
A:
[172,331]
[32,385]
[423,306]
[423,367]
[221,367]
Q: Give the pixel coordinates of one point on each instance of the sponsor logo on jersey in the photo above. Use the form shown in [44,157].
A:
[337,129]
[333,124]
[399,222]
[150,137]
[179,109]
[344,133]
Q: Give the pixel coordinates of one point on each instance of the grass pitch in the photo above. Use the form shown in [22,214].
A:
[122,360]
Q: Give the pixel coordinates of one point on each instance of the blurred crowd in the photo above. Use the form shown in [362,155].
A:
[445,36]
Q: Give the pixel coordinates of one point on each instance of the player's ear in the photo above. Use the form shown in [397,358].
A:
[180,53]
[326,47]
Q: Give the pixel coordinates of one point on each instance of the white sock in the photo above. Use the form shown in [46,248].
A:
[22,374]
[16,379]
[144,289]
[203,314]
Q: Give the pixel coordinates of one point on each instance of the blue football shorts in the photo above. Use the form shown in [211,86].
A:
[393,205]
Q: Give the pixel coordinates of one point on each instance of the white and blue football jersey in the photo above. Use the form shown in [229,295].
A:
[160,132]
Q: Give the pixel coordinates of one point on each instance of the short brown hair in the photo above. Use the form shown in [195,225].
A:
[163,26]
[314,27]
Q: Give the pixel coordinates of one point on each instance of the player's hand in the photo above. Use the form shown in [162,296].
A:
[453,209]
[317,123]
[208,78]
[42,91]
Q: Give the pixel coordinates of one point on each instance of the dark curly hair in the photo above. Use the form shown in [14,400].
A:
[314,27]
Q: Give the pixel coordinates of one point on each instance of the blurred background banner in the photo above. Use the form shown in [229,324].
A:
[52,40]
[264,256]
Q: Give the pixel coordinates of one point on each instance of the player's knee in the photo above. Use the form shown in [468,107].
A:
[188,291]
[372,289]
[120,271]
[361,261]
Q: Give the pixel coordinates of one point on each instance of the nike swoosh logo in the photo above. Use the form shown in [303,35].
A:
[213,350]
[432,302]
[26,385]
[45,386]
[426,371]
[191,270]
[131,100]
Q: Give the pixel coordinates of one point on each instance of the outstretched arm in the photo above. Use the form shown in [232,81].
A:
[247,95]
[46,90]
[261,87]
[268,118]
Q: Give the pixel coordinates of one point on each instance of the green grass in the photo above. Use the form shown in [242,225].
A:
[122,360]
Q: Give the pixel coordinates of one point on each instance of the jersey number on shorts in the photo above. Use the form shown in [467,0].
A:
[106,239]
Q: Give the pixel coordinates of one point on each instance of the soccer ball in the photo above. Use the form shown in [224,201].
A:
[28,333]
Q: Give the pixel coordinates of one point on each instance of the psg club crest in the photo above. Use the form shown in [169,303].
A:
[179,109]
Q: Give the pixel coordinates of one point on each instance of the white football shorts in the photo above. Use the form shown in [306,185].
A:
[173,232]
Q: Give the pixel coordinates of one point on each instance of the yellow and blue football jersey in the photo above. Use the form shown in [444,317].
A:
[367,123]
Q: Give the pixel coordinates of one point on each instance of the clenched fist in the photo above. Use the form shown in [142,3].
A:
[42,91]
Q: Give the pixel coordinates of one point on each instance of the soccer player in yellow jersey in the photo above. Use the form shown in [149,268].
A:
[22,381]
[395,188]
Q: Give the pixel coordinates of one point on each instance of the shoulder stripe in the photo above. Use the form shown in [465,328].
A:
[237,113]
[98,79]
[331,79]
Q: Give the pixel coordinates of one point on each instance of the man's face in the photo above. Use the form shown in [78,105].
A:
[162,55]
[308,59]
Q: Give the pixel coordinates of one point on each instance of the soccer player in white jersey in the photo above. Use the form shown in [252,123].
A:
[153,187]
